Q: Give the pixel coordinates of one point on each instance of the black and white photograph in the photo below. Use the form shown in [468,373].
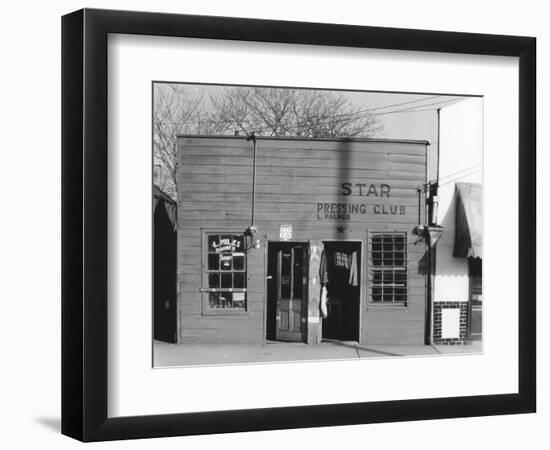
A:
[296,224]
[268,225]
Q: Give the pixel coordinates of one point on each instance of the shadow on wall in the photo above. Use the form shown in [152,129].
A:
[445,245]
[447,264]
[444,248]
[341,227]
[423,262]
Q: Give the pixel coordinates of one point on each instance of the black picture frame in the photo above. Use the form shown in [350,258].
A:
[84,224]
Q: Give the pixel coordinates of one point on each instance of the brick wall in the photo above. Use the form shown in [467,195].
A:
[437,324]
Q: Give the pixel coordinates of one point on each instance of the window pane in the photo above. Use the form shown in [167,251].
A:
[285,274]
[285,264]
[213,261]
[399,258]
[238,280]
[225,300]
[214,280]
[237,243]
[238,261]
[285,286]
[227,280]
[401,277]
[226,262]
[217,300]
[388,258]
[297,273]
[226,241]
[239,300]
[213,240]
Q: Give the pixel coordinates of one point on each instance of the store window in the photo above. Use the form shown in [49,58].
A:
[388,274]
[225,274]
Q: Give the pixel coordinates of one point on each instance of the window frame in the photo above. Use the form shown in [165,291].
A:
[371,268]
[205,289]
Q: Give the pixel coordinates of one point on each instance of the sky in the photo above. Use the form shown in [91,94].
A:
[403,115]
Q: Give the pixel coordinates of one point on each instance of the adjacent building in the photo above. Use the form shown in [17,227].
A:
[457,294]
[165,324]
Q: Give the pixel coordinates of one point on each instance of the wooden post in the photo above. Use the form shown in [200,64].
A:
[314,322]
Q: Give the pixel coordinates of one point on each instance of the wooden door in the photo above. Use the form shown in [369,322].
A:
[289,275]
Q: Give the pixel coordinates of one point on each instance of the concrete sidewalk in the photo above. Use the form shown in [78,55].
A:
[166,355]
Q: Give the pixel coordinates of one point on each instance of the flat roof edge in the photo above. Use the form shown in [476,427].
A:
[297,138]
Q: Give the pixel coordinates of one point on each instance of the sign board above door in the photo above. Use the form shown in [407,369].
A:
[285,232]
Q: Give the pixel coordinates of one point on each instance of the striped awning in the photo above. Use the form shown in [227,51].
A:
[469,221]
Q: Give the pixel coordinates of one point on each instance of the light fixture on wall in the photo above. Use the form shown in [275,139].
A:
[432,231]
[429,233]
[253,242]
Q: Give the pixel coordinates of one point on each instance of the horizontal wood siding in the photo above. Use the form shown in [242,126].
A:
[298,182]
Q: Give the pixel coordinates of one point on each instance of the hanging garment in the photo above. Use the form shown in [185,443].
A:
[341,259]
[324,311]
[353,269]
[323,269]
[323,275]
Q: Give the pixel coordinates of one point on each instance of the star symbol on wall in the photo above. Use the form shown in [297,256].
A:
[340,229]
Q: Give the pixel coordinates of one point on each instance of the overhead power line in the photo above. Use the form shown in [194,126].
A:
[363,112]
[459,178]
[460,171]
[336,117]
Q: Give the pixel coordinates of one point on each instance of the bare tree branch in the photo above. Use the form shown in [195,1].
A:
[175,111]
[181,109]
[291,112]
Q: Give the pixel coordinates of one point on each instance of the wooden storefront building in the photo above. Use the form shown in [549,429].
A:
[338,213]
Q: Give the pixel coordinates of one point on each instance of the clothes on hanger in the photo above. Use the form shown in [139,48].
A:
[323,276]
[353,269]
[341,259]
[345,268]
[324,310]
[323,269]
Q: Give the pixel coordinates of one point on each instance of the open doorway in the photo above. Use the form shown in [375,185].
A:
[343,260]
